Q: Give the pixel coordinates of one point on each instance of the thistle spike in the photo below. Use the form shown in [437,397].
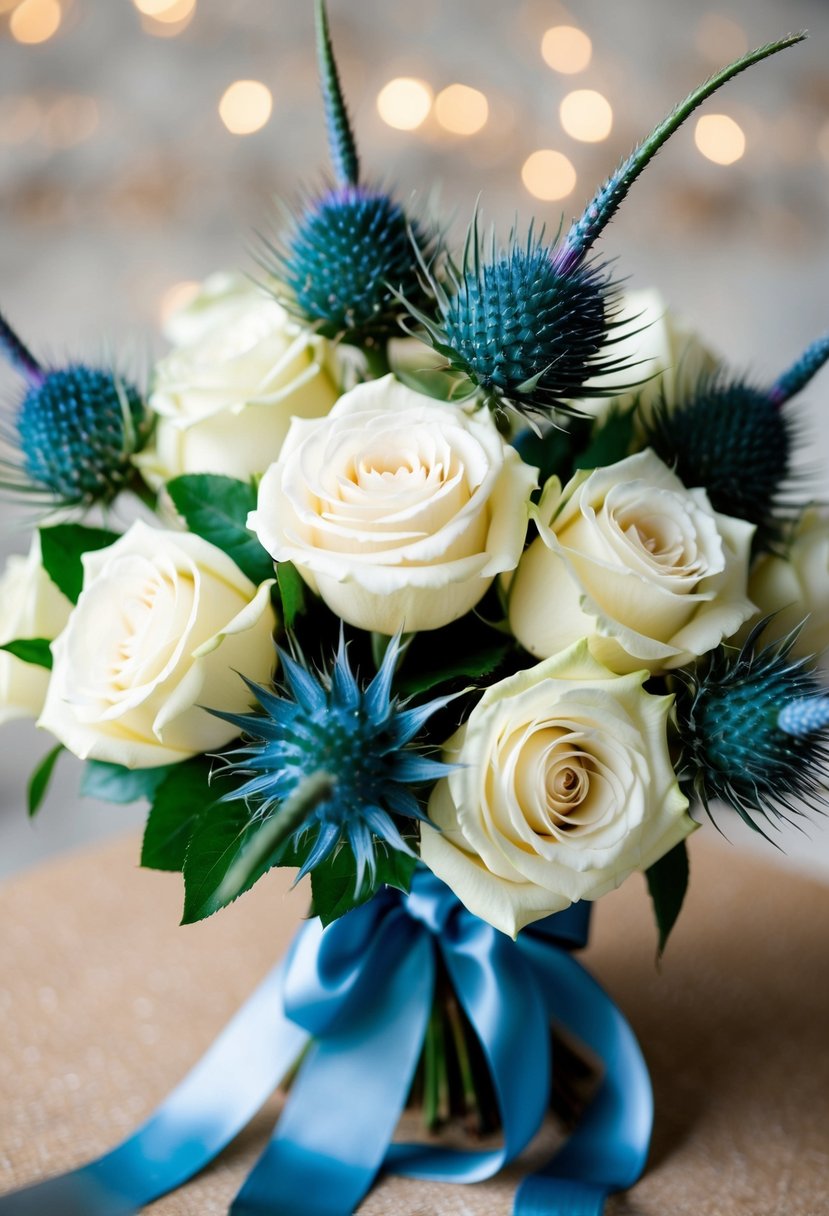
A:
[342,147]
[805,717]
[791,382]
[585,231]
[19,355]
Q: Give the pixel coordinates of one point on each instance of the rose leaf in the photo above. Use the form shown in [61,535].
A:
[62,548]
[114,783]
[667,883]
[291,592]
[31,650]
[611,441]
[333,883]
[216,508]
[40,778]
[177,803]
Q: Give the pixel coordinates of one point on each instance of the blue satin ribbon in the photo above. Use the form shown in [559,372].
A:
[362,990]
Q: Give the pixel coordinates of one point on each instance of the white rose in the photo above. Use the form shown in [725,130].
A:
[632,560]
[797,586]
[398,510]
[663,356]
[564,788]
[31,606]
[224,398]
[164,624]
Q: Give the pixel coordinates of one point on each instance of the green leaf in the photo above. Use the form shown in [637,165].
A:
[291,592]
[611,441]
[31,650]
[220,835]
[479,662]
[114,783]
[177,803]
[62,548]
[40,778]
[667,883]
[333,883]
[216,508]
[441,384]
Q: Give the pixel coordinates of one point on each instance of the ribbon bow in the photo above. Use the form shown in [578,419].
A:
[356,998]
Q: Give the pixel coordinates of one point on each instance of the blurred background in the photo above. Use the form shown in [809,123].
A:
[142,142]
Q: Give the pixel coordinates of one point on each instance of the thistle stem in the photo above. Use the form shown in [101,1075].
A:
[377,360]
[598,213]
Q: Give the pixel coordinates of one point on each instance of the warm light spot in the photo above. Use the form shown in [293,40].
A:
[35,20]
[165,10]
[720,138]
[548,175]
[404,103]
[461,109]
[175,298]
[70,120]
[566,49]
[245,106]
[720,38]
[19,119]
[586,115]
[6,6]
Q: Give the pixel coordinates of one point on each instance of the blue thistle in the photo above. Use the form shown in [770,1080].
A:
[350,253]
[754,728]
[74,432]
[531,324]
[333,763]
[736,440]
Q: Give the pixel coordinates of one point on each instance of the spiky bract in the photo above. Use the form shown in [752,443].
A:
[75,433]
[347,256]
[734,748]
[731,438]
[361,737]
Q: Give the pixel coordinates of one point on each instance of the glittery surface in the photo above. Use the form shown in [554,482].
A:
[105,1002]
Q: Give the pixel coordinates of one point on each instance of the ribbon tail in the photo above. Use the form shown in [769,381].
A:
[608,1149]
[501,997]
[344,1105]
[204,1112]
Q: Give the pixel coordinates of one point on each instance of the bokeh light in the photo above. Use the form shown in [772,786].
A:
[246,106]
[548,175]
[720,138]
[566,49]
[586,115]
[720,38]
[165,18]
[70,120]
[35,21]
[19,119]
[461,109]
[404,103]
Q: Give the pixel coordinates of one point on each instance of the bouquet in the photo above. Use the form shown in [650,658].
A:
[440,588]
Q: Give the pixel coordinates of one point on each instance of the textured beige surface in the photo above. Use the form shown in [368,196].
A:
[105,1003]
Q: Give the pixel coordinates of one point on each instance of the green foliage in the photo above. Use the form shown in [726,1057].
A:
[179,799]
[31,650]
[333,883]
[40,778]
[476,662]
[611,441]
[667,882]
[220,835]
[62,548]
[114,783]
[291,592]
[216,508]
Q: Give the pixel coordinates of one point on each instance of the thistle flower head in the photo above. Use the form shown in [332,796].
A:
[526,334]
[358,739]
[754,728]
[736,440]
[74,432]
[350,251]
[346,258]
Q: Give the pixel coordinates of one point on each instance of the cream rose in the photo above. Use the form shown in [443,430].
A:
[564,787]
[225,396]
[796,587]
[30,607]
[398,510]
[629,558]
[663,356]
[163,626]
